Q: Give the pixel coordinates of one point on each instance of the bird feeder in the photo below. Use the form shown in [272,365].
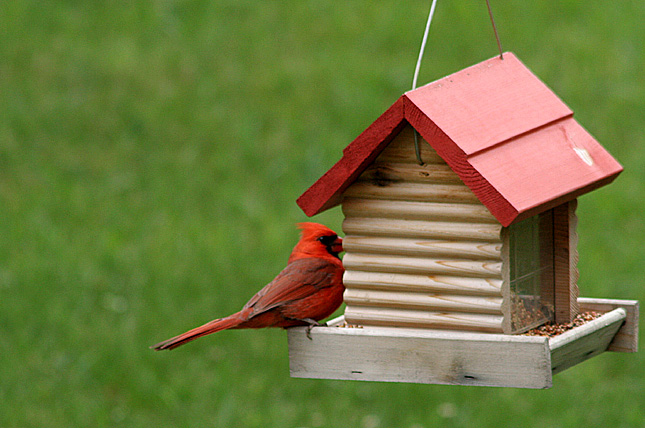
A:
[460,235]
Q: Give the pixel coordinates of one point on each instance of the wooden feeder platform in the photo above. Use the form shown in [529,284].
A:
[390,354]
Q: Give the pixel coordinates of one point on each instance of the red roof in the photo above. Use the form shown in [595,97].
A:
[511,140]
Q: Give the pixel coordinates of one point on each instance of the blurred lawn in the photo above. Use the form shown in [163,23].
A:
[150,156]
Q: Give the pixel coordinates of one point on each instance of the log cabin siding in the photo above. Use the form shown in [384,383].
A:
[421,250]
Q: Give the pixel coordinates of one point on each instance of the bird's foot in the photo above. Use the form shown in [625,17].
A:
[312,323]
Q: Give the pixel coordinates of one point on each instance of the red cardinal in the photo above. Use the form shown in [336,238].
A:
[309,289]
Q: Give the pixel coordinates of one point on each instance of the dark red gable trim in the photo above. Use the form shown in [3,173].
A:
[458,162]
[327,191]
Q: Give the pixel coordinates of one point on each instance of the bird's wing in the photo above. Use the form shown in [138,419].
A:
[300,279]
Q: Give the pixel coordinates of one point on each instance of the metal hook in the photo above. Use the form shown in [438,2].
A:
[417,149]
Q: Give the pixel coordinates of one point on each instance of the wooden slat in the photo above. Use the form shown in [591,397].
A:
[418,265]
[507,307]
[406,355]
[586,341]
[565,255]
[407,210]
[400,154]
[424,192]
[421,229]
[380,173]
[626,340]
[422,247]
[423,283]
[423,301]
[401,149]
[369,316]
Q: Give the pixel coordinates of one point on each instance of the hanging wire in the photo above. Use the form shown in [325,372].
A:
[492,20]
[417,150]
[423,44]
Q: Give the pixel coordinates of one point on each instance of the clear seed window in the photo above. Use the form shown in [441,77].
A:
[531,272]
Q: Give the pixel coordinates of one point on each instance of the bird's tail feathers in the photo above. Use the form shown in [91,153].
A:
[208,328]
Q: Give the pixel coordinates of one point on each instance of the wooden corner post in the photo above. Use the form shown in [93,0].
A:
[565,259]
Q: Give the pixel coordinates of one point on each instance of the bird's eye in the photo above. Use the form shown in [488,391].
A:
[327,240]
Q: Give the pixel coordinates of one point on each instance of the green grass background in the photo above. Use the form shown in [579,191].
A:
[150,156]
